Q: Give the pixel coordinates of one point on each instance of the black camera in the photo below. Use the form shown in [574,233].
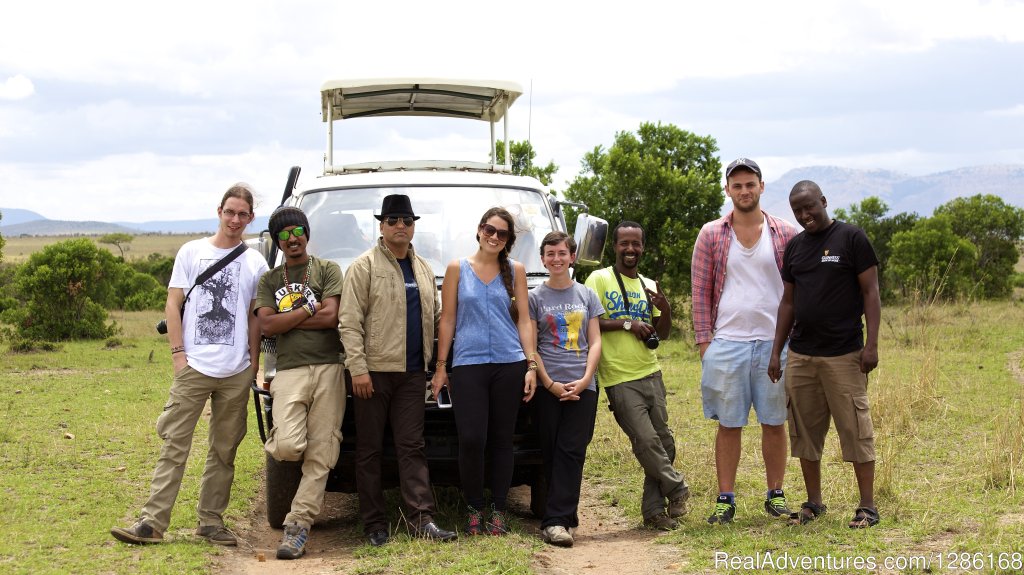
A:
[652,342]
[161,327]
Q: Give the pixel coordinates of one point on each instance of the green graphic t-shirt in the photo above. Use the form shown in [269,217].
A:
[623,356]
[300,347]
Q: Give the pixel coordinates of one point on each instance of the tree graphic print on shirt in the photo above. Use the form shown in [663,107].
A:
[217,305]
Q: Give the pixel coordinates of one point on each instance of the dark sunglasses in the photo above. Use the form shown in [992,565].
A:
[407,221]
[297,231]
[490,230]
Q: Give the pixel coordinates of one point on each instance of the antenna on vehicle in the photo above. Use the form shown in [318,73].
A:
[529,125]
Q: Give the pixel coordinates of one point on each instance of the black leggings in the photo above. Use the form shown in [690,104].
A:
[486,399]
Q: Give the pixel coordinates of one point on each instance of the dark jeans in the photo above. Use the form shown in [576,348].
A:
[398,398]
[486,399]
[566,428]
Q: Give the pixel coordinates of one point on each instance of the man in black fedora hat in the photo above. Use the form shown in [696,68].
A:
[390,291]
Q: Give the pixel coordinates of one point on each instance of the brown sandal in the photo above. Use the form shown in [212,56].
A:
[802,518]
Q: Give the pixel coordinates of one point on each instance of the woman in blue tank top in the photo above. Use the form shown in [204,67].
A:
[484,308]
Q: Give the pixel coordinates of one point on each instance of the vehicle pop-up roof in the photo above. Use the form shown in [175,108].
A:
[468,99]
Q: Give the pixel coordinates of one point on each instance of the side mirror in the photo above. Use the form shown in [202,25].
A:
[590,235]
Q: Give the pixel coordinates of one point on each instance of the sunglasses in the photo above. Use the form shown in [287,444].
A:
[490,230]
[407,221]
[297,231]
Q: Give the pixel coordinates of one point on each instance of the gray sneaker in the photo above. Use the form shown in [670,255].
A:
[137,534]
[557,535]
[293,544]
[217,534]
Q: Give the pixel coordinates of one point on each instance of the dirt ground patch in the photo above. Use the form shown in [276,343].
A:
[606,543]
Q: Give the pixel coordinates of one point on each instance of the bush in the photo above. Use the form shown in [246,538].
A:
[67,285]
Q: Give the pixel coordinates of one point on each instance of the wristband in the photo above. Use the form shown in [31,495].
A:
[177,349]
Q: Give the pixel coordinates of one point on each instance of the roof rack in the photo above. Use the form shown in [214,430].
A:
[446,98]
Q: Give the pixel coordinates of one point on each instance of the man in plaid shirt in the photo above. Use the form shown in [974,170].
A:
[737,287]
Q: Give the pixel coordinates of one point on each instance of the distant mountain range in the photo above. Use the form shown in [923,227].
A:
[18,222]
[842,187]
[901,192]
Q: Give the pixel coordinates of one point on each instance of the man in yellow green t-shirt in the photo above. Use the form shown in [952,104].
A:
[636,317]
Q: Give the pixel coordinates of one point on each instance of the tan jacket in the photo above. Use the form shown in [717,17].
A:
[372,312]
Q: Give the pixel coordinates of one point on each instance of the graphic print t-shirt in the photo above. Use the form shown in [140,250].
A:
[623,356]
[215,328]
[300,347]
[562,316]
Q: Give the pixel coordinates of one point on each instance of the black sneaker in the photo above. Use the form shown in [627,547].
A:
[137,534]
[293,544]
[724,512]
[775,505]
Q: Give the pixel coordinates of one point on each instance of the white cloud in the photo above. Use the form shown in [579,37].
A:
[1015,111]
[16,87]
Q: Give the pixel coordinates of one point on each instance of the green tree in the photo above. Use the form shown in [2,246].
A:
[66,285]
[665,178]
[932,260]
[995,228]
[522,156]
[119,239]
[869,215]
[2,241]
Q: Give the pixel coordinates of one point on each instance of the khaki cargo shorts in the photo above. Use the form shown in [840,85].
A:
[821,389]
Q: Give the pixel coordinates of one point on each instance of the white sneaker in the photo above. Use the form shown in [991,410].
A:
[557,535]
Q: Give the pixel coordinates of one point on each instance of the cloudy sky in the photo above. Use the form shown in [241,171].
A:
[138,111]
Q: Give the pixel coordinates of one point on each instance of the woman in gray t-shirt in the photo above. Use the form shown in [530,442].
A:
[565,314]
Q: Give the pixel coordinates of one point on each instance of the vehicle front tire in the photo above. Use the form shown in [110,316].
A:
[282,483]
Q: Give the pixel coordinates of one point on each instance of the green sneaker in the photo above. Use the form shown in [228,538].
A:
[724,512]
[775,505]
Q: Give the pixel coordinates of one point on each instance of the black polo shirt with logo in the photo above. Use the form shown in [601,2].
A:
[827,301]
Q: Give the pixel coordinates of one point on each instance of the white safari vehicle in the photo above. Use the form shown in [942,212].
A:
[449,196]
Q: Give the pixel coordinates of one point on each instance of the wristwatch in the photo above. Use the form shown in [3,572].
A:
[626,325]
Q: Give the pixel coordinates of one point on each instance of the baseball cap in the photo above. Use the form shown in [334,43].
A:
[743,163]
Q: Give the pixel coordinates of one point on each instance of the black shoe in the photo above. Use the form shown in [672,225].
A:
[430,530]
[378,537]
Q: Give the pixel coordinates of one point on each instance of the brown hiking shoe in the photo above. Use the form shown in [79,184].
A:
[677,505]
[217,534]
[137,534]
[660,522]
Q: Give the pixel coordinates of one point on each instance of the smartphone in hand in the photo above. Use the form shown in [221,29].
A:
[444,398]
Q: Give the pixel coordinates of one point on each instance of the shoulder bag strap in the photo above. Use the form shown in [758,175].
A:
[212,270]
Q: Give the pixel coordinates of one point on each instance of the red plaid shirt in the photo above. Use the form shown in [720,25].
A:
[707,269]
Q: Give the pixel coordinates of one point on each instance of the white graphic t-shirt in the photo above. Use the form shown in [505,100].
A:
[215,328]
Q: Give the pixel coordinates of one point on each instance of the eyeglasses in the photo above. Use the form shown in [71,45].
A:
[407,221]
[490,230]
[297,231]
[230,214]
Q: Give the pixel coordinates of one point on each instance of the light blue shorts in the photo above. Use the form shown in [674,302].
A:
[734,377]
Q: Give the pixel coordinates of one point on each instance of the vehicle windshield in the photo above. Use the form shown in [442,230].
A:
[342,223]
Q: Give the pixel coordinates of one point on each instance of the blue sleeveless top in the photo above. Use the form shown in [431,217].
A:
[484,332]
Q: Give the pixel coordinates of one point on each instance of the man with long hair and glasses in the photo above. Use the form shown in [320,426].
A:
[484,308]
[636,317]
[297,303]
[388,320]
[215,353]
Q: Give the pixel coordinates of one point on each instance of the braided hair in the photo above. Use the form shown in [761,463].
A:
[503,263]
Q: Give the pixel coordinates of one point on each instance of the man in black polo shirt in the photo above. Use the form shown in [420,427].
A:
[830,279]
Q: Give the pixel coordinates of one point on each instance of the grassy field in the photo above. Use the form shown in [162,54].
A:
[18,249]
[77,448]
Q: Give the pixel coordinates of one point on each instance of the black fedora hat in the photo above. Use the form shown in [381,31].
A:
[396,205]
